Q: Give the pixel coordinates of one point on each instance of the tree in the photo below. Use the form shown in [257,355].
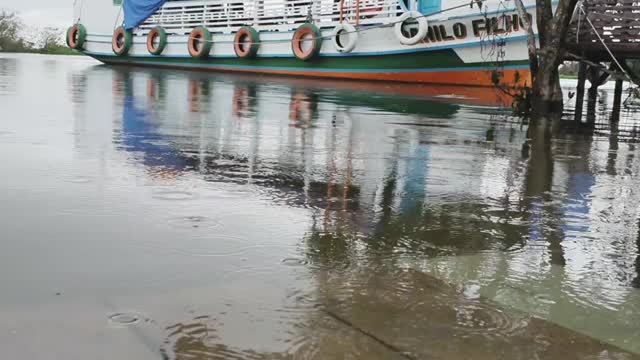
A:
[51,41]
[49,38]
[10,26]
[546,97]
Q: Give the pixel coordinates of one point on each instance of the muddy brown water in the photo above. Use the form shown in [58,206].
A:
[174,215]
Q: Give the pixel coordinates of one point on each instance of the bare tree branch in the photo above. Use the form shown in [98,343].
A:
[531,38]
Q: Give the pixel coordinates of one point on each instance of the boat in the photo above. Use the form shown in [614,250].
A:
[454,42]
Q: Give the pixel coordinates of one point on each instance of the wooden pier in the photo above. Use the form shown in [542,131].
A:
[605,39]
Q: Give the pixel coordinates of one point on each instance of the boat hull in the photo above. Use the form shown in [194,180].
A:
[462,47]
[416,68]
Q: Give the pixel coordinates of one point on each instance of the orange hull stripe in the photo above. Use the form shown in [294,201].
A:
[475,77]
[462,77]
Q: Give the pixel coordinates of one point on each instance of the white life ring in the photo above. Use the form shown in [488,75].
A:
[422,28]
[352,37]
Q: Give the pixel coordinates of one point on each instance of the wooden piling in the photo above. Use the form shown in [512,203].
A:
[617,100]
[636,282]
[592,97]
[582,77]
[596,77]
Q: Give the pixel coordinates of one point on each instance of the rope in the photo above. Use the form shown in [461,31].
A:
[579,23]
[372,27]
[80,12]
[115,23]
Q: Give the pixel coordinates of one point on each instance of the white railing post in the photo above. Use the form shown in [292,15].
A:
[256,7]
[282,15]
[204,15]
[182,20]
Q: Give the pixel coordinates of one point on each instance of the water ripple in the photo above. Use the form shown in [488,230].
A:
[193,222]
[80,179]
[124,319]
[295,261]
[173,195]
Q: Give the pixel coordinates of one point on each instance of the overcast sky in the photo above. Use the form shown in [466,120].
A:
[39,13]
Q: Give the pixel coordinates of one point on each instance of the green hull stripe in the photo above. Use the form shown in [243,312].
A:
[421,62]
[485,67]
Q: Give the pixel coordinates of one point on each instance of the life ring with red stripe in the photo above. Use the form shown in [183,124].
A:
[306,42]
[199,42]
[247,42]
[76,36]
[156,40]
[122,41]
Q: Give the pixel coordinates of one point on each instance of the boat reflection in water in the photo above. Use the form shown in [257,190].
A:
[435,226]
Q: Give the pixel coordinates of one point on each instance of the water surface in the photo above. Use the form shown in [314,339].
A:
[176,215]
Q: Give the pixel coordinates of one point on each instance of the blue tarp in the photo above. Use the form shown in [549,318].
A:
[137,11]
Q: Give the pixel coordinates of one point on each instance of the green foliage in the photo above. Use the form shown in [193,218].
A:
[569,70]
[521,95]
[10,26]
[58,49]
[521,104]
[49,39]
[496,76]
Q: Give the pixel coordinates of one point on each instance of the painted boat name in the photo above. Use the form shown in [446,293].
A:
[497,25]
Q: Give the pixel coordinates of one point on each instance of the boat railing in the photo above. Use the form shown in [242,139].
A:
[227,16]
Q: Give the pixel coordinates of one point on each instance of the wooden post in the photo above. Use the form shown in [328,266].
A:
[596,77]
[617,99]
[636,282]
[592,97]
[582,77]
